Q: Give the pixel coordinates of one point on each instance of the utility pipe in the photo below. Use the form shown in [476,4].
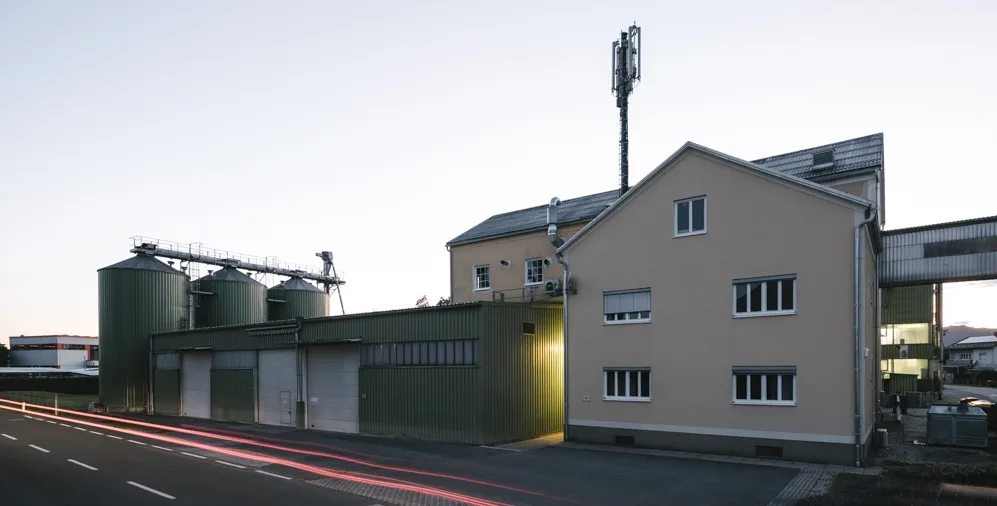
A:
[859,358]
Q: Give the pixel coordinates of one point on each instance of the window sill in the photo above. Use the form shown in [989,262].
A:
[482,289]
[763,314]
[625,322]
[790,404]
[688,234]
[538,283]
[627,399]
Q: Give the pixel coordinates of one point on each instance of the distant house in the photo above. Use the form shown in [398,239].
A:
[972,353]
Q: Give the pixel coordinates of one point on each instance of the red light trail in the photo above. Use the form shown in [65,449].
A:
[356,477]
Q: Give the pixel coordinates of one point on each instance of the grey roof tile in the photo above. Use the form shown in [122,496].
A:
[849,156]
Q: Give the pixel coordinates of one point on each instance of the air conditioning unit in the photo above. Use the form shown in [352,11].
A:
[552,287]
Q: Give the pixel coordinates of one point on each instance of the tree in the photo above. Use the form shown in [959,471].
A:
[4,355]
[443,302]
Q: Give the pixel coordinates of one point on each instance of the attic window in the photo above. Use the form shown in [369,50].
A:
[823,159]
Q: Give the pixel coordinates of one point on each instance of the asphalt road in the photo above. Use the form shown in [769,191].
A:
[46,463]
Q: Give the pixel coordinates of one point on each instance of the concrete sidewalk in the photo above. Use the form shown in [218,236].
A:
[530,474]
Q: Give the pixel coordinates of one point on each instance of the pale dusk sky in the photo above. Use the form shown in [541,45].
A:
[380,130]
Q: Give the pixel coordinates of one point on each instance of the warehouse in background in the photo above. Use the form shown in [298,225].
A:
[57,351]
[478,373]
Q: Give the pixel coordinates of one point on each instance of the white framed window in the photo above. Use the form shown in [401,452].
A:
[690,216]
[764,385]
[534,271]
[983,355]
[482,277]
[963,356]
[629,306]
[769,296]
[627,384]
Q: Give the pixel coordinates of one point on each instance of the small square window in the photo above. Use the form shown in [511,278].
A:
[534,271]
[482,277]
[529,328]
[690,216]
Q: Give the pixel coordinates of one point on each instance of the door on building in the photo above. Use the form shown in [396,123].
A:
[196,378]
[333,391]
[278,378]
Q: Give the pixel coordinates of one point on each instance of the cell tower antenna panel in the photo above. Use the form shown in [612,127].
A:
[626,74]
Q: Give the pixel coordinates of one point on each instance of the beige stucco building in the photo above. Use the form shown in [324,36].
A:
[720,305]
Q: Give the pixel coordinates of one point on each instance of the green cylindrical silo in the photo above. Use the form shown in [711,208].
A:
[137,297]
[234,299]
[296,297]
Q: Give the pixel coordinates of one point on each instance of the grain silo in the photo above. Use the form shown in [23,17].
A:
[295,298]
[229,297]
[136,297]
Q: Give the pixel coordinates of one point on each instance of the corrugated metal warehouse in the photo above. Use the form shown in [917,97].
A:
[478,373]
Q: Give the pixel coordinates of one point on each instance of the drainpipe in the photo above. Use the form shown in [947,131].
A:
[859,358]
[556,240]
[299,405]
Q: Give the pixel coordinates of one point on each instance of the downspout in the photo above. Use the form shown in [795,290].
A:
[451,271]
[859,358]
[299,405]
[556,240]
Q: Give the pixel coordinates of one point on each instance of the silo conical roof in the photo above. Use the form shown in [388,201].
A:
[230,274]
[143,262]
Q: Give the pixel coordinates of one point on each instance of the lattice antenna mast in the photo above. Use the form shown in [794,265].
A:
[626,74]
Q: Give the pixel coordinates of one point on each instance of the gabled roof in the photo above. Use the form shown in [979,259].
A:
[975,342]
[797,182]
[850,156]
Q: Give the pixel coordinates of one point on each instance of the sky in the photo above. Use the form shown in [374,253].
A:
[380,130]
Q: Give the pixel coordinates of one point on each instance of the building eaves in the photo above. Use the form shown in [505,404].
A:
[852,156]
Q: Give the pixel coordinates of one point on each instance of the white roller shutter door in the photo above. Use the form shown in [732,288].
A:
[196,374]
[333,391]
[278,387]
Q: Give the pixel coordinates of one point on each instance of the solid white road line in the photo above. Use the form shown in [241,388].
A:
[274,475]
[114,437]
[161,448]
[12,438]
[136,442]
[147,489]
[39,448]
[194,455]
[95,432]
[82,464]
[230,464]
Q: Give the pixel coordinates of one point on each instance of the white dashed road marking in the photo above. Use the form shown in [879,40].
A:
[12,438]
[193,455]
[161,448]
[64,425]
[50,421]
[274,475]
[147,489]
[114,437]
[230,464]
[80,428]
[16,420]
[82,464]
[136,442]
[39,448]
[95,432]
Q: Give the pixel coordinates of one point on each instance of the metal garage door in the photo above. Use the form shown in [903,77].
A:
[333,393]
[196,374]
[278,386]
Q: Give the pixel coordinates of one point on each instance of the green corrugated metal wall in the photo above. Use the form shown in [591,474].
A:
[223,339]
[522,376]
[455,322]
[166,392]
[908,304]
[438,403]
[233,395]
